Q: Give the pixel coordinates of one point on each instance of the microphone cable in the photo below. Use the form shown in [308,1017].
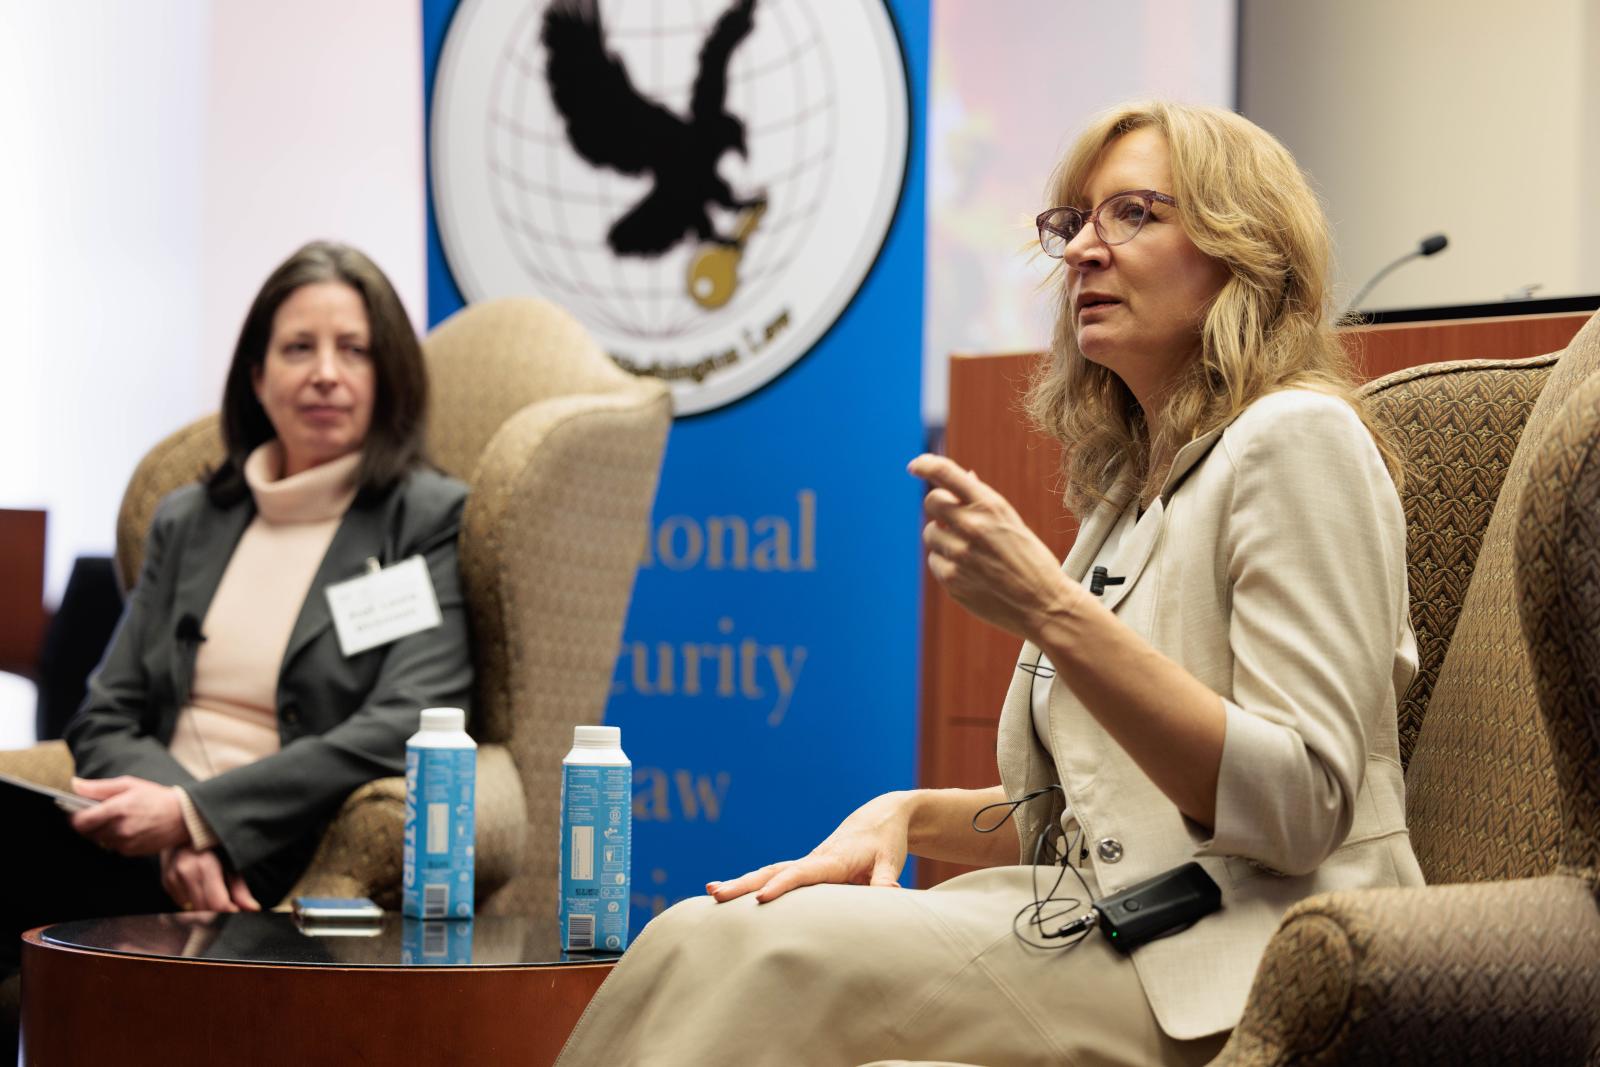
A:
[1075,929]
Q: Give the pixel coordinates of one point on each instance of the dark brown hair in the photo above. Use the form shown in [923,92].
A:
[394,442]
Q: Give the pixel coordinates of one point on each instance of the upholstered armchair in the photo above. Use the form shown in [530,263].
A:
[562,451]
[1497,960]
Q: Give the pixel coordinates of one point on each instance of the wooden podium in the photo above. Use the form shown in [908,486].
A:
[967,664]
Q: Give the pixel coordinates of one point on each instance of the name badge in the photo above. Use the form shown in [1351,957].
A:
[383,606]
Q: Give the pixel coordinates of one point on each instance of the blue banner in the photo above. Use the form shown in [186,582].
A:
[729,195]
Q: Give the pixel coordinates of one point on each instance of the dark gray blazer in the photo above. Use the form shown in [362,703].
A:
[341,722]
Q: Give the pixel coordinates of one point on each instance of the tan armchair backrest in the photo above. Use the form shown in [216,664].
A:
[184,456]
[1558,586]
[490,360]
[1457,426]
[1480,784]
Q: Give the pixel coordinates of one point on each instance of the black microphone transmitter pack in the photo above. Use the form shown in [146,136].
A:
[1158,906]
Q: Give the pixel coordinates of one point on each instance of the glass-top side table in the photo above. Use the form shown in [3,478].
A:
[259,988]
[276,938]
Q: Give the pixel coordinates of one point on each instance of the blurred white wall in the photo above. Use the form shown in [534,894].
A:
[103,112]
[1471,117]
[161,158]
[1013,82]
[314,130]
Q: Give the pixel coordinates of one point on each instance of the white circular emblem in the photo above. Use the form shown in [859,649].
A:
[705,185]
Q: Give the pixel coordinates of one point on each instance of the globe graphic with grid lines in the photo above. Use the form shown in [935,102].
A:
[822,99]
[557,208]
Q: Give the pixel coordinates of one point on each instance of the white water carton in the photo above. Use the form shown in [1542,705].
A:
[596,841]
[441,829]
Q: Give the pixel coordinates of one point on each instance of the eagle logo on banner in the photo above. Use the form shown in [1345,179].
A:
[705,186]
[611,124]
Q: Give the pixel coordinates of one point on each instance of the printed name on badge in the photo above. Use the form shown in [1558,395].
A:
[384,606]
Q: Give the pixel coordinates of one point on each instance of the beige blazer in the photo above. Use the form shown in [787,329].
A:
[1272,567]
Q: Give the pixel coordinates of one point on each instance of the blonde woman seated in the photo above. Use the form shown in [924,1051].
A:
[226,725]
[1232,700]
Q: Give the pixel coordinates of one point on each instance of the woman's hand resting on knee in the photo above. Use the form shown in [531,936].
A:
[196,880]
[868,848]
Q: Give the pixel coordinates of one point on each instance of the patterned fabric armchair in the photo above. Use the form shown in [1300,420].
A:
[562,451]
[1497,960]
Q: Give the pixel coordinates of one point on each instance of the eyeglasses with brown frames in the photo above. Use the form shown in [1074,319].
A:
[1117,220]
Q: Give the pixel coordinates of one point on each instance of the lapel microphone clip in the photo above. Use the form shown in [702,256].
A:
[188,630]
[1099,579]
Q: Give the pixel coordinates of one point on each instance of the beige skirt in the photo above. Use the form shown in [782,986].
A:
[846,974]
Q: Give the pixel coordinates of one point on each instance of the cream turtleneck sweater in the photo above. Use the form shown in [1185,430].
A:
[232,715]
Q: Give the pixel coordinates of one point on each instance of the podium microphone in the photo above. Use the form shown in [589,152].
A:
[1428,246]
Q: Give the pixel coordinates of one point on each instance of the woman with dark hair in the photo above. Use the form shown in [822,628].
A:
[227,722]
[1210,677]
[391,443]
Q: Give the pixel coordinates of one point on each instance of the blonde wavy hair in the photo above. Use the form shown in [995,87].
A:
[1244,201]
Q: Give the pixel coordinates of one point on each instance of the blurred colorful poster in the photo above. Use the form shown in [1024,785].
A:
[1012,81]
[728,194]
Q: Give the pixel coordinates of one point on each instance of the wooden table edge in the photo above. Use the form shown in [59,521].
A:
[90,1006]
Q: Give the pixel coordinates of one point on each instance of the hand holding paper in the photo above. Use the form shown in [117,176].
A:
[67,802]
[135,817]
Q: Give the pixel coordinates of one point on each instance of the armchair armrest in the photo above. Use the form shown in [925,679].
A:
[1494,972]
[48,763]
[360,854]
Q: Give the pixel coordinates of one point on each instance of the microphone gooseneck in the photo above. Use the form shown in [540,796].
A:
[1428,246]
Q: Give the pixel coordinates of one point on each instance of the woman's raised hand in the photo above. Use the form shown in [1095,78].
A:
[984,554]
[868,848]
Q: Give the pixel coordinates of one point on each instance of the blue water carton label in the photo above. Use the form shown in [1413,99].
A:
[596,851]
[440,832]
[436,943]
